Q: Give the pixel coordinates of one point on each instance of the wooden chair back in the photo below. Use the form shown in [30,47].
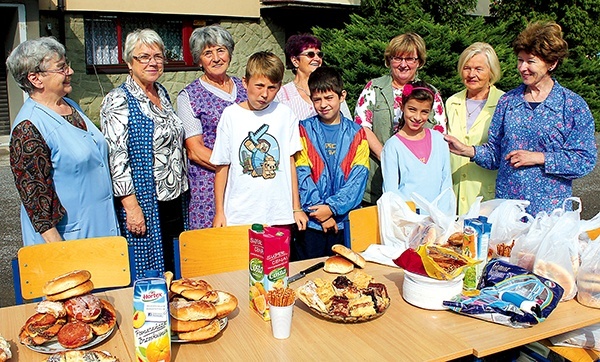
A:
[210,251]
[364,228]
[106,258]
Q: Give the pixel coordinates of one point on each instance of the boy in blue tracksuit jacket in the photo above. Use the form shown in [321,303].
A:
[332,167]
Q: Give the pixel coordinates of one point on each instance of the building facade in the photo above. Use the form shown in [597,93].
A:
[94,31]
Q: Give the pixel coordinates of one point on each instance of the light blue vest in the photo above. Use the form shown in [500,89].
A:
[80,172]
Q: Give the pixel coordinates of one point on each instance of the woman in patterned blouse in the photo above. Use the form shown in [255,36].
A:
[379,106]
[199,105]
[147,160]
[542,134]
[57,155]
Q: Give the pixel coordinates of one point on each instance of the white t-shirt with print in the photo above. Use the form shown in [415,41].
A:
[257,146]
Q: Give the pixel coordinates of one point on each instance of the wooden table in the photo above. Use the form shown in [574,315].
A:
[404,332]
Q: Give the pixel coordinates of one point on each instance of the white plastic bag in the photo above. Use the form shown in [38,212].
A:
[588,277]
[445,222]
[396,220]
[558,256]
[586,337]
[509,220]
[527,244]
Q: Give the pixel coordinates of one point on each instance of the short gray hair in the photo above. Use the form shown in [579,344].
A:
[490,57]
[141,36]
[31,56]
[207,36]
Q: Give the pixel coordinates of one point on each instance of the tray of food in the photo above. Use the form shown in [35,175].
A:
[345,300]
[70,318]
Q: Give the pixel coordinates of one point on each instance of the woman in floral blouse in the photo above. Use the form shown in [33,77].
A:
[379,106]
[542,134]
[147,160]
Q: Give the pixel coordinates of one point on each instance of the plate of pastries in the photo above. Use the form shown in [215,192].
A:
[69,317]
[350,297]
[198,310]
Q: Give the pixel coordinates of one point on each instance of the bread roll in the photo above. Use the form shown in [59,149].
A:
[225,304]
[338,265]
[78,356]
[80,289]
[350,255]
[107,319]
[192,310]
[188,326]
[66,281]
[211,330]
[559,275]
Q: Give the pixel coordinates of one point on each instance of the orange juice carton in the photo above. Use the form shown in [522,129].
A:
[475,245]
[151,321]
[269,262]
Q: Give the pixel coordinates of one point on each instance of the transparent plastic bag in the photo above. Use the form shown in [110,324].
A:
[558,255]
[588,277]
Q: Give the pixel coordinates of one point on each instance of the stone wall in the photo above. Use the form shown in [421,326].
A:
[89,89]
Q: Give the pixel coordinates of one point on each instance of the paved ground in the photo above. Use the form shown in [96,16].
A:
[588,188]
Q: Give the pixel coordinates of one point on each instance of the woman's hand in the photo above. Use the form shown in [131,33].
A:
[219,220]
[135,221]
[459,148]
[521,158]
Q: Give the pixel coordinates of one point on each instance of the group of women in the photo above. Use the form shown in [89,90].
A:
[154,163]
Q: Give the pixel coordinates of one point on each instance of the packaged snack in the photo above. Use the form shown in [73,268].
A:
[269,262]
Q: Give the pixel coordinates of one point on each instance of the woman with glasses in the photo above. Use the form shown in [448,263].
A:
[58,157]
[379,106]
[303,55]
[542,134]
[147,159]
[469,114]
[199,105]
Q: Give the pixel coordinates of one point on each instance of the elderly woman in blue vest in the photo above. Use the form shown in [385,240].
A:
[147,160]
[57,155]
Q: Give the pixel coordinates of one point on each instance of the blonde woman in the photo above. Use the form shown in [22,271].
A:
[469,114]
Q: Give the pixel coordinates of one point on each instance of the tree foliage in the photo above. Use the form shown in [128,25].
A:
[447,28]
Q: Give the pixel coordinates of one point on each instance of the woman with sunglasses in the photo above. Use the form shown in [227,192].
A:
[379,106]
[58,157]
[303,55]
[147,159]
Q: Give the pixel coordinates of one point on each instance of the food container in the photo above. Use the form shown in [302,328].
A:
[428,293]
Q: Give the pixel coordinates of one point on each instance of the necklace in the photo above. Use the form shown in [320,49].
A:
[302,89]
[478,107]
[225,86]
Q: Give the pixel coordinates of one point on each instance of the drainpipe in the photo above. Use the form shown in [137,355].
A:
[61,21]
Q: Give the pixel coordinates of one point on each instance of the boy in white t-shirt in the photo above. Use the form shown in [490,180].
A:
[255,179]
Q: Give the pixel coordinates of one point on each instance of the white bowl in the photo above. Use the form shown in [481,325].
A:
[428,293]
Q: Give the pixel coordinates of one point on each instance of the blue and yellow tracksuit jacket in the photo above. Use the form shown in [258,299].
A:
[341,188]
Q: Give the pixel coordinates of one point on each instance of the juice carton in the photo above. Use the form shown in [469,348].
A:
[476,241]
[151,323]
[269,262]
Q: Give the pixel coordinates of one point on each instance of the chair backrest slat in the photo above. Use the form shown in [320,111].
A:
[106,258]
[213,250]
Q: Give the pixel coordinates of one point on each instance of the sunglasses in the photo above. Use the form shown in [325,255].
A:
[312,54]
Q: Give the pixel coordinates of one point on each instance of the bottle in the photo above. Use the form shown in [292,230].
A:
[151,321]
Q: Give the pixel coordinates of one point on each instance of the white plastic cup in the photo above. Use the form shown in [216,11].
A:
[281,320]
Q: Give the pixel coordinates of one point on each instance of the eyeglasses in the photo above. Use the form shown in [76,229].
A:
[408,60]
[145,58]
[312,54]
[63,69]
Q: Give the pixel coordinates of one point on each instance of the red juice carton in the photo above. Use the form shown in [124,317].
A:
[269,262]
